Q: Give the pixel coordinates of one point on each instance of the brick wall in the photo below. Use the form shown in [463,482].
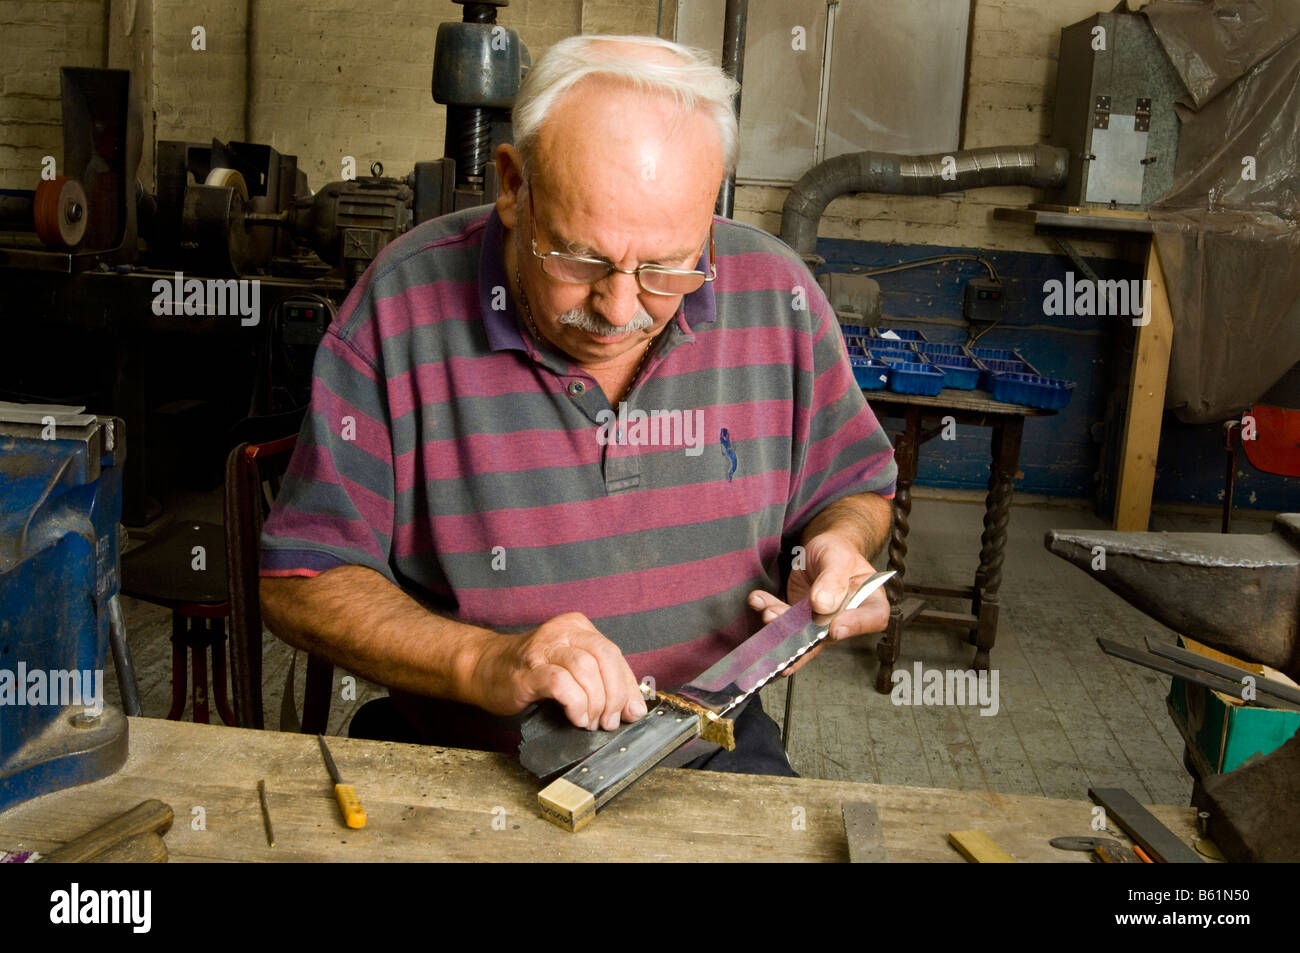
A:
[200,93]
[329,80]
[330,83]
[37,37]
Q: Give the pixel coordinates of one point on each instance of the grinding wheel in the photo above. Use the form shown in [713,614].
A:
[212,217]
[60,212]
[228,178]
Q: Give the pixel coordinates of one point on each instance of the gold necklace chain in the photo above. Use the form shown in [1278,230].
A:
[532,327]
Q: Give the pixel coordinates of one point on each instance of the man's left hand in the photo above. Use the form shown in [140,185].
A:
[830,562]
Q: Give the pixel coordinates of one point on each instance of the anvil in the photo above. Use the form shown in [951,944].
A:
[1238,593]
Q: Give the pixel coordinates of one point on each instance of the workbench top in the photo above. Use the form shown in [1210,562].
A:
[437,804]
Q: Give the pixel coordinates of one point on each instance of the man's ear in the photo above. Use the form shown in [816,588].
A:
[510,180]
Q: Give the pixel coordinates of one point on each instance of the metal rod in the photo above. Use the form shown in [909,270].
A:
[824,86]
[122,662]
[266,812]
[1197,676]
[1230,478]
[733,63]
[1233,673]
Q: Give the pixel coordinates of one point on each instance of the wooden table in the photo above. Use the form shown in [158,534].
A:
[973,408]
[435,804]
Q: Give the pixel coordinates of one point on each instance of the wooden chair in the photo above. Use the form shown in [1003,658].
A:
[1275,448]
[253,475]
[183,568]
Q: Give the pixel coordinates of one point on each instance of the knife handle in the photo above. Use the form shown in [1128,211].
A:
[572,800]
[354,815]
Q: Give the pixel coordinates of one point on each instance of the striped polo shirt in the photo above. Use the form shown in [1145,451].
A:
[489,477]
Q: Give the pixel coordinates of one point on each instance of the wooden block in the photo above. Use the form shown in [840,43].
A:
[862,830]
[142,849]
[978,848]
[566,804]
[1090,210]
[146,817]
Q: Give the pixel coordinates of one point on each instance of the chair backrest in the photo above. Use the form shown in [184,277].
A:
[1276,447]
[253,475]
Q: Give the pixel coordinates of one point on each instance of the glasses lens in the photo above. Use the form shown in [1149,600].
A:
[671,283]
[579,272]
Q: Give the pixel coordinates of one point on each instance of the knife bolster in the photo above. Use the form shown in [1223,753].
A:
[713,727]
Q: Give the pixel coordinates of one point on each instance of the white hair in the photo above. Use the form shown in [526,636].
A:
[693,81]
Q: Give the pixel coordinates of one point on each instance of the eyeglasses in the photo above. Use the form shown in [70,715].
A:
[654,279]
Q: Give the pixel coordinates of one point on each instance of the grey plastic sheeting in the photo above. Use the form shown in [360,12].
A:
[1229,243]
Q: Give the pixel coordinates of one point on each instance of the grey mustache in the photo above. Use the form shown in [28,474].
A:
[584,320]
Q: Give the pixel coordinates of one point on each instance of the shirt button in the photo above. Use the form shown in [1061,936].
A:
[577,389]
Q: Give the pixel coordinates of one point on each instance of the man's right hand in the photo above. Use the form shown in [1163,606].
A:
[567,659]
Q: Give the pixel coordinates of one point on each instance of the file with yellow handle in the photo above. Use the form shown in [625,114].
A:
[354,815]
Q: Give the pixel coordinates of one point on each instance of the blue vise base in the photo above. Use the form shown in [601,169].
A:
[60,506]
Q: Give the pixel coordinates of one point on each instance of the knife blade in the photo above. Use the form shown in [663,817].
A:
[551,743]
[697,710]
[770,651]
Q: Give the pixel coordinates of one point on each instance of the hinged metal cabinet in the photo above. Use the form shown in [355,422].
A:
[1115,93]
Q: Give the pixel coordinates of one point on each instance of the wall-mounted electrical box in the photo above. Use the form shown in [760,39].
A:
[1115,93]
[981,302]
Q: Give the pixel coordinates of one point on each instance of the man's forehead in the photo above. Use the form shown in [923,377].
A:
[602,121]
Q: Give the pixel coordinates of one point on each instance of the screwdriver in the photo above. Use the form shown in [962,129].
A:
[354,815]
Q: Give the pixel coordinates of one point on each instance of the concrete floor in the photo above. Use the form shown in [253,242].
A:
[1068,717]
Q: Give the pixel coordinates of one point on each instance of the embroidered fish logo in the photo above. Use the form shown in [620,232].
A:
[729,453]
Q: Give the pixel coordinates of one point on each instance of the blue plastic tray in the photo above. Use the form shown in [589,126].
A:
[858,329]
[918,378]
[870,374]
[905,335]
[930,349]
[991,367]
[895,355]
[959,371]
[1032,390]
[996,353]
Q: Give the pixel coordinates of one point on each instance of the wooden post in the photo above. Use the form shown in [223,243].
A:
[1146,404]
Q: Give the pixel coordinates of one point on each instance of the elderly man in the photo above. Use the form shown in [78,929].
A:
[569,442]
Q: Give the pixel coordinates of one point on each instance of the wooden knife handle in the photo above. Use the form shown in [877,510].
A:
[572,800]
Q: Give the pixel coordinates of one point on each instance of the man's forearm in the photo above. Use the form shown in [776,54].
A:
[863,519]
[360,621]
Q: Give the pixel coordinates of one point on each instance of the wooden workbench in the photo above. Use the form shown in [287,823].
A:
[432,804]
